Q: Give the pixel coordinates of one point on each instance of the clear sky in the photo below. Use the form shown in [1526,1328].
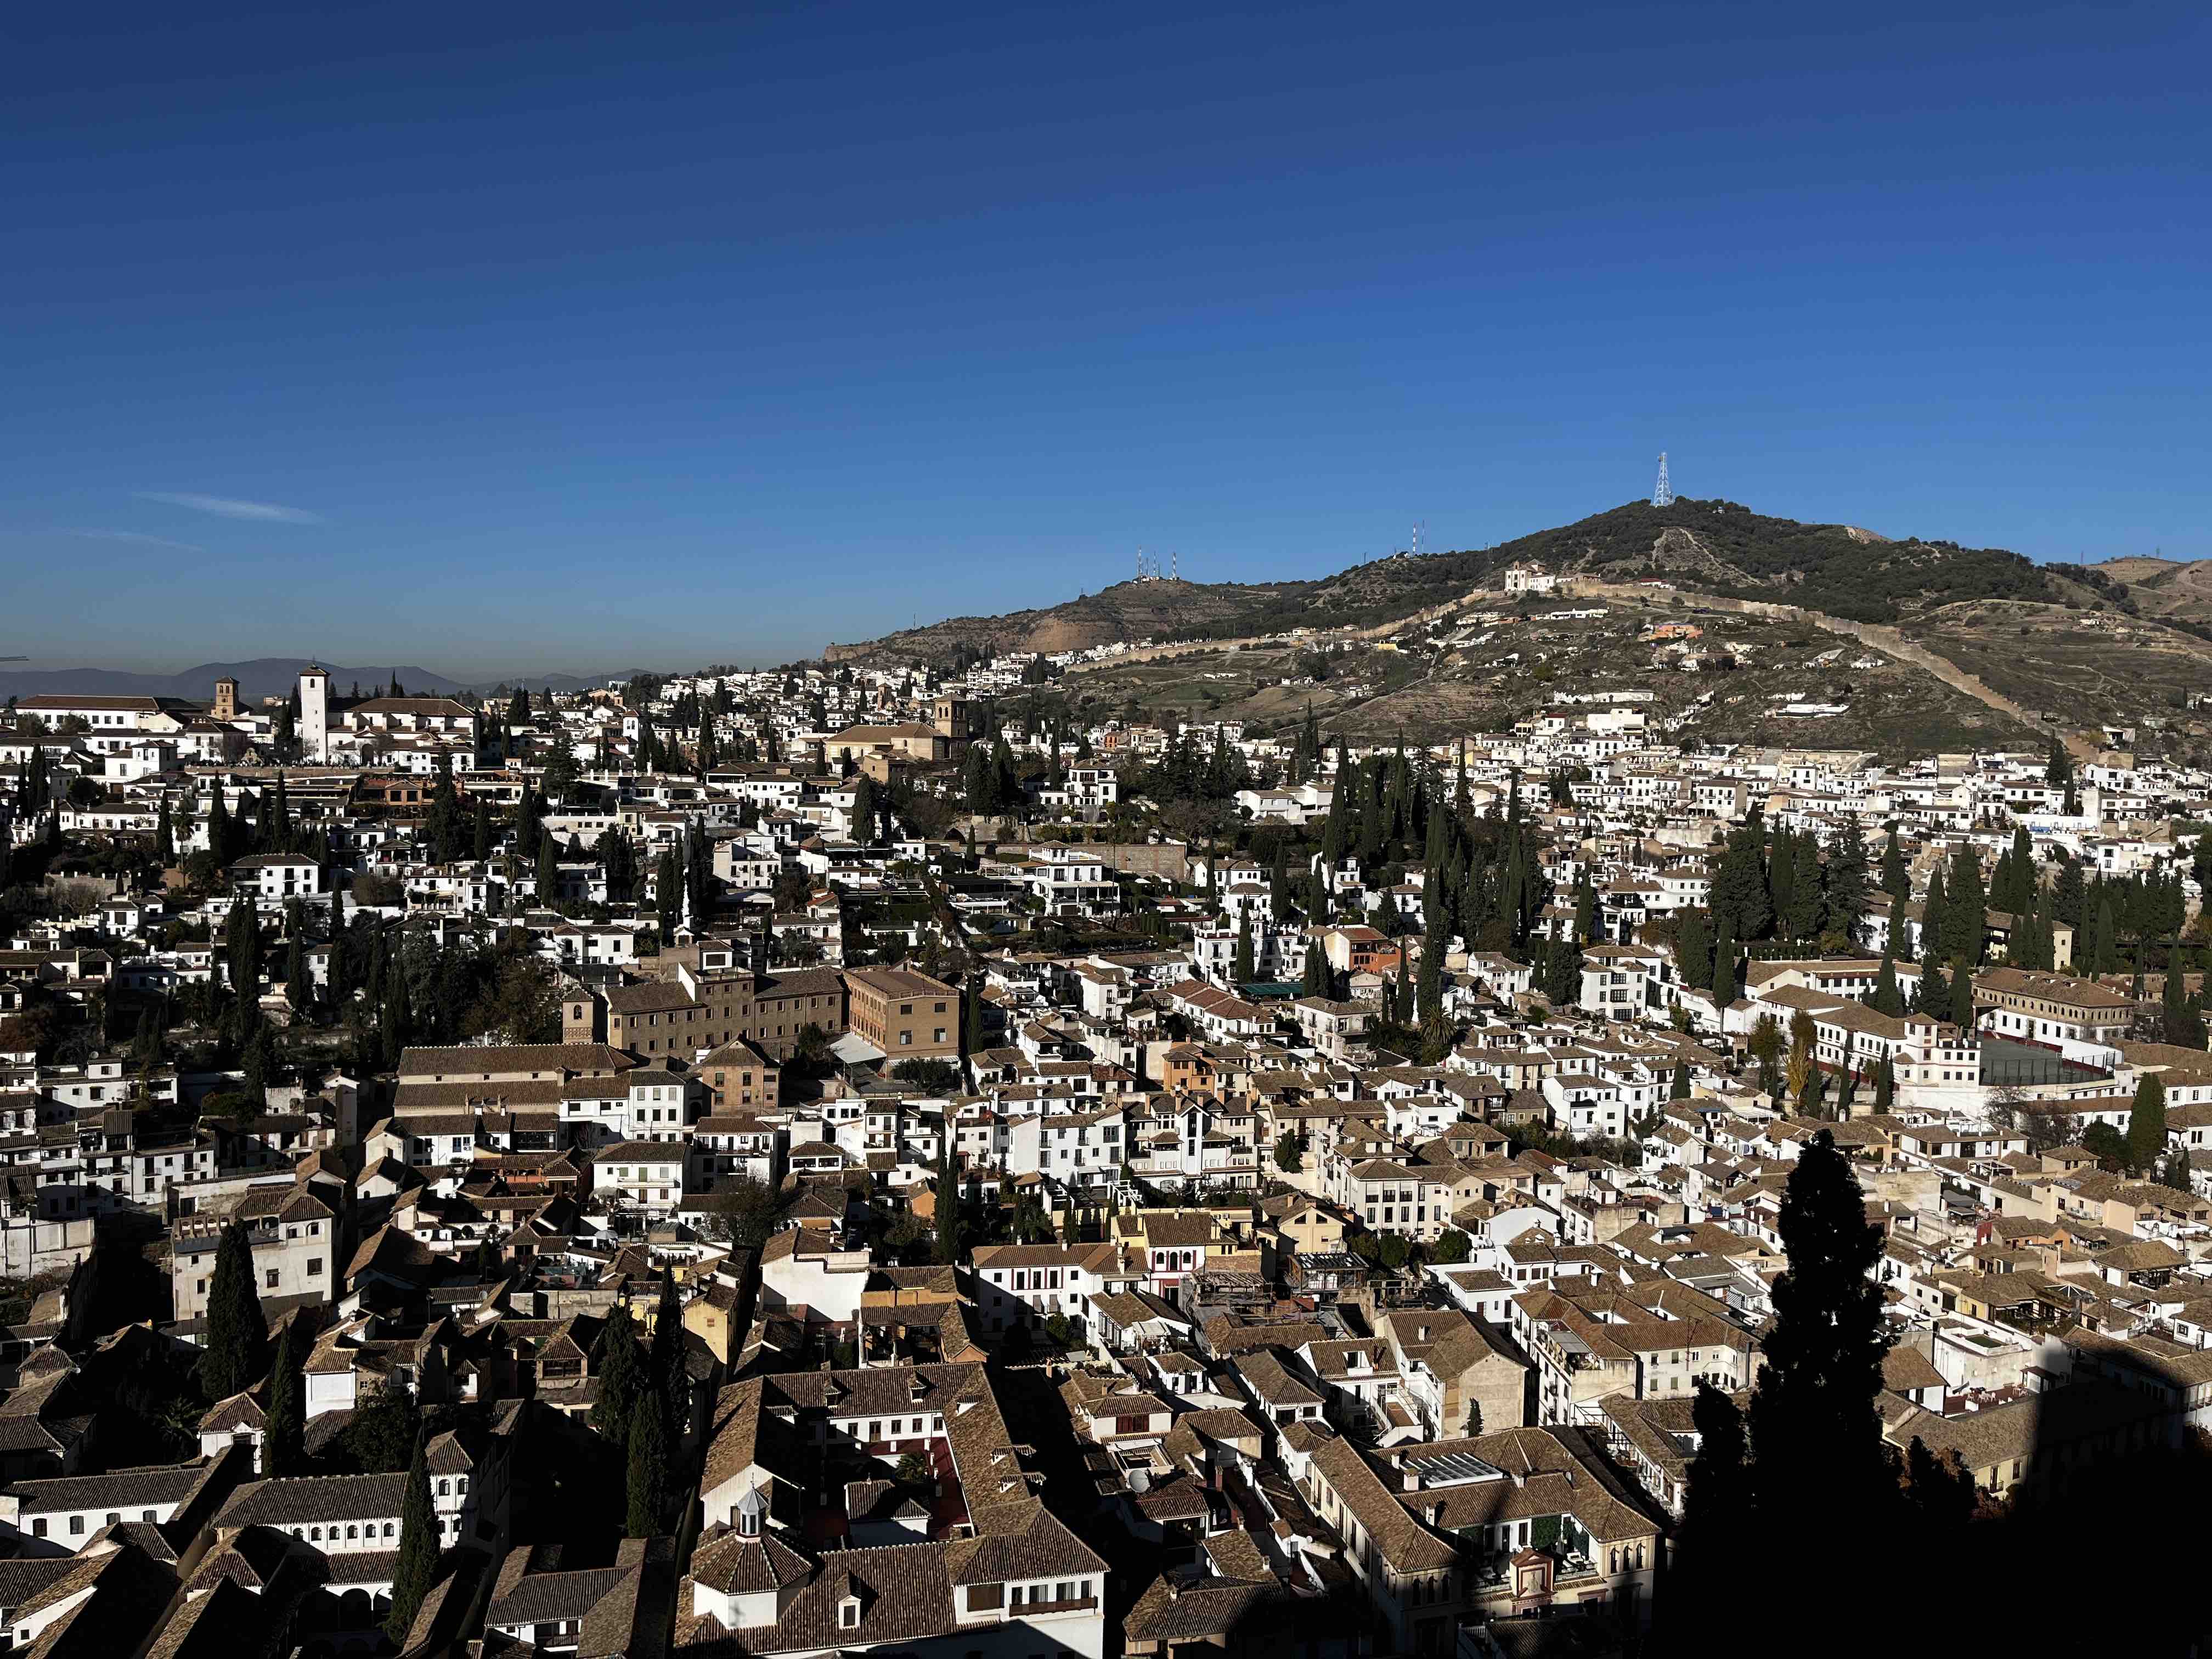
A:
[502,337]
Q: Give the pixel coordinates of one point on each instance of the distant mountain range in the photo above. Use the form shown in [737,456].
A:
[268,677]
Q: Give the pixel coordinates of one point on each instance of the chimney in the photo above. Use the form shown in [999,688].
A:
[1411,1478]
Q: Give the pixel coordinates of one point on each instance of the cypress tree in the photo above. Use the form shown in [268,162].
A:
[2147,1123]
[1886,998]
[219,838]
[1962,997]
[1717,1528]
[1724,986]
[1680,1088]
[284,1450]
[2104,951]
[1807,904]
[165,836]
[971,1020]
[1966,927]
[1934,914]
[946,1249]
[1820,1474]
[1429,987]
[649,1468]
[1740,901]
[1896,876]
[1782,881]
[1885,1085]
[1844,898]
[237,1332]
[621,1375]
[1693,950]
[664,1362]
[416,1570]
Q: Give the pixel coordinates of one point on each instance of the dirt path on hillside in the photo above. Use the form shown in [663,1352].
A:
[1879,635]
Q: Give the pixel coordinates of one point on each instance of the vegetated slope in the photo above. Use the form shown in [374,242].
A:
[1158,609]
[1713,546]
[1709,546]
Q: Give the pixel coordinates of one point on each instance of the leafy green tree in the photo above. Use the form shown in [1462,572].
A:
[1289,1152]
[417,1569]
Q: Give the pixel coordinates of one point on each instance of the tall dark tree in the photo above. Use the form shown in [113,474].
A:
[664,1367]
[1717,1528]
[237,1331]
[1693,950]
[621,1375]
[283,1450]
[1724,987]
[1886,998]
[946,1219]
[1820,1473]
[1740,900]
[1965,927]
[648,1469]
[2147,1123]
[416,1570]
[1896,876]
[1846,888]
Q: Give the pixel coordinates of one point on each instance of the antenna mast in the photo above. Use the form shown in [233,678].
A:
[1663,493]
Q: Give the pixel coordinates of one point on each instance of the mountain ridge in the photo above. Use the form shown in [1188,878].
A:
[1720,546]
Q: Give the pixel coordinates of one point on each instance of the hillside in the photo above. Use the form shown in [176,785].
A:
[1127,610]
[1710,546]
[2026,649]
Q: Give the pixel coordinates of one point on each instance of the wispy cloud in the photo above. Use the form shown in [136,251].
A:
[226,507]
[136,540]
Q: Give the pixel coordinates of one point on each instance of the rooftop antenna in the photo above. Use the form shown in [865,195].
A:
[1663,493]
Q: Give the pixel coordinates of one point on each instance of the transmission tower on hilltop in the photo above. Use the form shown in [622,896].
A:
[1663,493]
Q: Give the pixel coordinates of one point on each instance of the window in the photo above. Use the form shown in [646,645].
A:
[38,1528]
[272,1277]
[985,1598]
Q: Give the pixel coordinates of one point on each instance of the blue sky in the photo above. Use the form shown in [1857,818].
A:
[494,338]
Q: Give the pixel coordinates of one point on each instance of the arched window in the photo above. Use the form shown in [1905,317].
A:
[315,1534]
